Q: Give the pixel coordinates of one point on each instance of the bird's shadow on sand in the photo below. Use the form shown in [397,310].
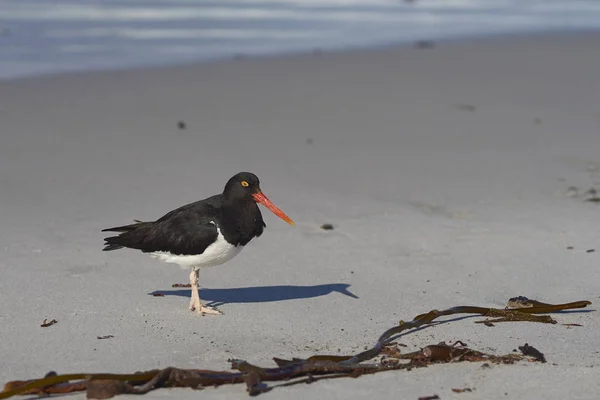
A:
[261,294]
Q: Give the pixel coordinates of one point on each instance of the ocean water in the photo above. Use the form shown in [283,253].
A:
[51,36]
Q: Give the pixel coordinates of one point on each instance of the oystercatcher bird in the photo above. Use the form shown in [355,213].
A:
[206,233]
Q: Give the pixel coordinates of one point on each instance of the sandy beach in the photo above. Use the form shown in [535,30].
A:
[453,175]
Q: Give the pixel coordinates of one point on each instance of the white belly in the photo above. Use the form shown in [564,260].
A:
[217,253]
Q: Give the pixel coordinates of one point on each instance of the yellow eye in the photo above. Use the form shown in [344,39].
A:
[245,184]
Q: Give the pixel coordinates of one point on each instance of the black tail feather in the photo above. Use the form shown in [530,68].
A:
[114,242]
[126,228]
[110,247]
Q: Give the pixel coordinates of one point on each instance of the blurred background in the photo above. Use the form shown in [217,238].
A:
[45,36]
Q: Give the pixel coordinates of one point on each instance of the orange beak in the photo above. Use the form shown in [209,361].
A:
[262,199]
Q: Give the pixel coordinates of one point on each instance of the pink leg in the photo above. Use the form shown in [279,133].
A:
[195,304]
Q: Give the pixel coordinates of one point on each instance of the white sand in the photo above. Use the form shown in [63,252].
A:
[435,205]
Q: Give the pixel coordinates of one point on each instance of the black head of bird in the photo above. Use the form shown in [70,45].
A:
[245,186]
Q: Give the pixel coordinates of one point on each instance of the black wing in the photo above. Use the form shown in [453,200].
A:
[187,230]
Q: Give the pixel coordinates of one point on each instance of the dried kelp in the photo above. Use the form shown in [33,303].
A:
[462,390]
[522,314]
[294,371]
[46,324]
[182,285]
[528,350]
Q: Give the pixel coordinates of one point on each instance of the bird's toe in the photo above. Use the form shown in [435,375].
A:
[205,310]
